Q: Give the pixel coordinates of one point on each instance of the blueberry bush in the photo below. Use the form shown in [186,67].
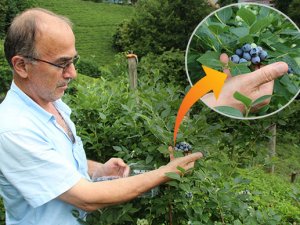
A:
[137,126]
[253,36]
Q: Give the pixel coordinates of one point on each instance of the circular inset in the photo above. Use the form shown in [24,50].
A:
[247,41]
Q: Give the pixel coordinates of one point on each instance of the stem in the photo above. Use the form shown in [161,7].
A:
[170,214]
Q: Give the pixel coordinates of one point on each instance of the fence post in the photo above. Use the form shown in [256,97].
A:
[132,70]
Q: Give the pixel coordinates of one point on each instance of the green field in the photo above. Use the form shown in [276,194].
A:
[94,25]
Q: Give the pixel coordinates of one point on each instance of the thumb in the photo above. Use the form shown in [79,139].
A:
[267,73]
[193,157]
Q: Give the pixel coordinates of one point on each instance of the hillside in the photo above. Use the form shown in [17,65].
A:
[94,25]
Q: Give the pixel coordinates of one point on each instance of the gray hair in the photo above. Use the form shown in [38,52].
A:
[21,35]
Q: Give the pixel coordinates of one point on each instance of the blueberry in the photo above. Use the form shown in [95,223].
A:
[183,146]
[246,47]
[263,55]
[247,56]
[255,60]
[235,58]
[254,52]
[242,60]
[259,49]
[290,70]
[253,45]
[239,52]
[189,194]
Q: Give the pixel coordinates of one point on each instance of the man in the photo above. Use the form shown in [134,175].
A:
[44,173]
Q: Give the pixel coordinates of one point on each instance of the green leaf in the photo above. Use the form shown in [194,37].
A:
[173,176]
[224,15]
[229,111]
[259,25]
[149,159]
[216,29]
[242,98]
[246,39]
[182,170]
[261,99]
[238,69]
[247,16]
[240,31]
[211,59]
[117,148]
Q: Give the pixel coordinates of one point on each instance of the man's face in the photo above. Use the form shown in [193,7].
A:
[56,44]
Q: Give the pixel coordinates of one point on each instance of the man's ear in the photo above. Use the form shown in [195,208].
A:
[20,66]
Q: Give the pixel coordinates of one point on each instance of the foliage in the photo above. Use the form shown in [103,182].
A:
[159,26]
[137,126]
[282,5]
[234,26]
[2,212]
[94,25]
[169,66]
[88,67]
[226,2]
[9,9]
[6,74]
[293,11]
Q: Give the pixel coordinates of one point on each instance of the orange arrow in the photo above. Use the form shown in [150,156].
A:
[214,80]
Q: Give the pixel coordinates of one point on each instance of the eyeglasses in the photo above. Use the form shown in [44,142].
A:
[63,66]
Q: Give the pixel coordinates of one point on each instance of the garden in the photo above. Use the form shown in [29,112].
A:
[239,181]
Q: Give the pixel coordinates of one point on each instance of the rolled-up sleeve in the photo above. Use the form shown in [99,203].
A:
[34,167]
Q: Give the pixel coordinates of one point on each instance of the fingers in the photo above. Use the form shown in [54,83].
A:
[225,59]
[267,73]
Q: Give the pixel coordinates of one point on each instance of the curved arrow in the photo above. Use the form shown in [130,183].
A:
[214,80]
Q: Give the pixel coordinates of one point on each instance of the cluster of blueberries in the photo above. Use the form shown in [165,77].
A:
[249,53]
[183,147]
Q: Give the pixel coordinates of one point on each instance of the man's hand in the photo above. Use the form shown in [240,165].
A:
[253,85]
[186,162]
[115,167]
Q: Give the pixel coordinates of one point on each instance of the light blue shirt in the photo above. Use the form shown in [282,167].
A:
[38,162]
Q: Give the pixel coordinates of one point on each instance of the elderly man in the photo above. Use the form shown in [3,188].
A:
[44,173]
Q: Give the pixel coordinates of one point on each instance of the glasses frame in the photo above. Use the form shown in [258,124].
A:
[74,61]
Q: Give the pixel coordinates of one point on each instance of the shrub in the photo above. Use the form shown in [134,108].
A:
[88,68]
[158,26]
[5,73]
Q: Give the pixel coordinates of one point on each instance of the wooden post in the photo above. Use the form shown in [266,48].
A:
[293,177]
[132,70]
[272,145]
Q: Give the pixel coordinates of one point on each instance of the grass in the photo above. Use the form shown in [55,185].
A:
[94,25]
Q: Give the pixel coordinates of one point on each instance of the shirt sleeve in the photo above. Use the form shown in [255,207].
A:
[34,167]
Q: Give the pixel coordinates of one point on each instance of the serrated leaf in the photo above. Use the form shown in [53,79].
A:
[247,16]
[259,25]
[229,111]
[242,98]
[260,99]
[173,176]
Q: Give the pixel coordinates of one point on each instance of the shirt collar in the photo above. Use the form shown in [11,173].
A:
[43,114]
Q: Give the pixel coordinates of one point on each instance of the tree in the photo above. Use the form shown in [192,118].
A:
[160,25]
[293,11]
